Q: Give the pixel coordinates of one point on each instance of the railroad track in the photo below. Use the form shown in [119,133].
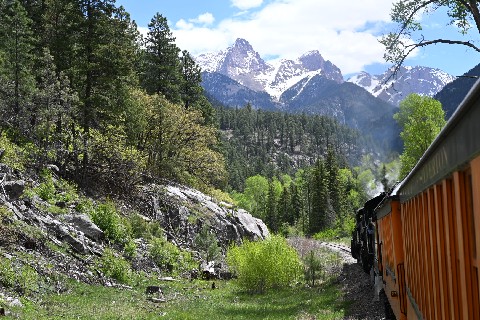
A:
[336,247]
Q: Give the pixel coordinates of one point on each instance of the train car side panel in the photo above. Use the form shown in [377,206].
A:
[389,227]
[475,166]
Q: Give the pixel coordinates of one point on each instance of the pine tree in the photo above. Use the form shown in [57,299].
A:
[331,170]
[161,65]
[272,211]
[17,58]
[53,113]
[321,207]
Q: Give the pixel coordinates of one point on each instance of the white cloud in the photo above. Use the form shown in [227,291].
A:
[206,19]
[184,25]
[246,4]
[345,32]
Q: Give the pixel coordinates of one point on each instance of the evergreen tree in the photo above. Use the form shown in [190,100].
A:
[331,170]
[17,58]
[320,214]
[161,69]
[271,216]
[53,113]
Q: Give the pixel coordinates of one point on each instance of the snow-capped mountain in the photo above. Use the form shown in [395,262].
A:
[243,64]
[422,80]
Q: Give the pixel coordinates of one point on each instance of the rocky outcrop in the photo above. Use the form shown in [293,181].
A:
[85,225]
[183,211]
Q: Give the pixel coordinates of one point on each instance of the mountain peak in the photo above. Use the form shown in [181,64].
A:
[408,79]
[242,44]
[243,64]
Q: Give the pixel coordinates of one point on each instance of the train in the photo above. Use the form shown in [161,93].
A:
[420,242]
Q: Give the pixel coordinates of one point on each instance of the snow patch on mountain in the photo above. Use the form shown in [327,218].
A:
[243,64]
[394,88]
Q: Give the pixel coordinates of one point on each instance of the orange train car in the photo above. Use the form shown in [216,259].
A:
[427,230]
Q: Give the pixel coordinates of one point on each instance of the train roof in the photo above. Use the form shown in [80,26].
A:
[454,147]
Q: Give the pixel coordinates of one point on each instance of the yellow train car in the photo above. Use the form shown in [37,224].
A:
[428,228]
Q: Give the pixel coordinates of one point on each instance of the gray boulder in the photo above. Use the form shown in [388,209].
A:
[14,189]
[62,234]
[83,223]
[183,211]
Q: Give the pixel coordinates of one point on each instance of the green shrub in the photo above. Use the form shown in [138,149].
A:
[266,264]
[46,190]
[22,279]
[313,267]
[169,257]
[13,156]
[7,273]
[207,244]
[130,249]
[106,217]
[327,234]
[115,267]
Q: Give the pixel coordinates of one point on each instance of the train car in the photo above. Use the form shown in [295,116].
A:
[428,228]
[390,257]
[363,236]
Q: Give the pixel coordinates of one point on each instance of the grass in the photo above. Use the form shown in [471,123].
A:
[187,300]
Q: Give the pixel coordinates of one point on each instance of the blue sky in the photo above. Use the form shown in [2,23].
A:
[344,32]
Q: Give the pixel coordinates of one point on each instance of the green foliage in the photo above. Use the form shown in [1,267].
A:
[421,119]
[117,167]
[130,249]
[313,267]
[180,146]
[8,275]
[264,265]
[115,267]
[169,257]
[23,279]
[258,142]
[206,243]
[13,155]
[53,190]
[106,217]
[46,190]
[254,195]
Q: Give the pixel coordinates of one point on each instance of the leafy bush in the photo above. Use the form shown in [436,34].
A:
[46,190]
[22,279]
[206,243]
[313,267]
[53,190]
[168,257]
[7,273]
[130,249]
[115,267]
[105,216]
[266,264]
[13,156]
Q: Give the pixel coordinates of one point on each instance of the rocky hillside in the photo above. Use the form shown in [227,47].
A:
[55,234]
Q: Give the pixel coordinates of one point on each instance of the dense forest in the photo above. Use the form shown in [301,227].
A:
[81,89]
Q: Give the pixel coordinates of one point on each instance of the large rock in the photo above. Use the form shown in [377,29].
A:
[85,225]
[14,189]
[183,211]
[64,235]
